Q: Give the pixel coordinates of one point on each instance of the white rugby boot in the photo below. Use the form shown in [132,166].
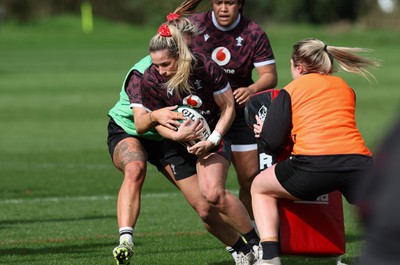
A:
[123,253]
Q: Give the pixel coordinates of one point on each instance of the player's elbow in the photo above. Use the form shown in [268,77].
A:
[271,147]
[140,129]
[273,82]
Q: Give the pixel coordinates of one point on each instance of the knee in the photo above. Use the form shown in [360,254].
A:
[255,187]
[245,183]
[135,172]
[215,197]
[205,211]
[246,179]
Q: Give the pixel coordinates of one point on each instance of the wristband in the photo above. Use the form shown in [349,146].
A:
[215,138]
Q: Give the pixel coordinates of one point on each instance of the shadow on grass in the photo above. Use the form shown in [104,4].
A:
[60,249]
[51,220]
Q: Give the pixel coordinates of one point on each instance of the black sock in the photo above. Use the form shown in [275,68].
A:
[270,249]
[241,246]
[252,238]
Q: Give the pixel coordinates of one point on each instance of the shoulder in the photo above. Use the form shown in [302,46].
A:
[250,26]
[150,76]
[345,87]
[204,64]
[307,79]
[209,72]
[338,80]
[139,68]
[298,82]
[200,18]
[143,64]
[201,62]
[314,84]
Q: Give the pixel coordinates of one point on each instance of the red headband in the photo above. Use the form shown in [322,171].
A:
[172,16]
[164,31]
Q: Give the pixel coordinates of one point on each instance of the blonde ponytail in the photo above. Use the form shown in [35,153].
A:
[317,57]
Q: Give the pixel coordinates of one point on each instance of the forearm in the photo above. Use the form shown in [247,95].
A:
[187,131]
[143,120]
[225,120]
[165,132]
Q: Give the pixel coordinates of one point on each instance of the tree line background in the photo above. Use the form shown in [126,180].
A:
[145,12]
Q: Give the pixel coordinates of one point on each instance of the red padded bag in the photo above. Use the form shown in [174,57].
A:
[313,227]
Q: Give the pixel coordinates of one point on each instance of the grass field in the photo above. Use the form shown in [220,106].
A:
[58,186]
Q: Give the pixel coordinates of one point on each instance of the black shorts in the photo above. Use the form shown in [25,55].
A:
[240,133]
[308,185]
[154,154]
[183,164]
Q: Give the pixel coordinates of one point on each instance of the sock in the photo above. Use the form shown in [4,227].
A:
[241,246]
[252,238]
[126,234]
[232,252]
[270,249]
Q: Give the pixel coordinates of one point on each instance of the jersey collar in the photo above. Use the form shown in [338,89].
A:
[214,20]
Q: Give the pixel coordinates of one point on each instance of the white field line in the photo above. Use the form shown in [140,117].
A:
[84,198]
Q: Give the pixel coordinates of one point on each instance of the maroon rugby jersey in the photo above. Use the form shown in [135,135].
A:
[237,49]
[133,87]
[206,79]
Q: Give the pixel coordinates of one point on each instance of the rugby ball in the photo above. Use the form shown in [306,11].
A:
[193,115]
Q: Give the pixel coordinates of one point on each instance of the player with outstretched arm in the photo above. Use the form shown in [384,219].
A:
[316,111]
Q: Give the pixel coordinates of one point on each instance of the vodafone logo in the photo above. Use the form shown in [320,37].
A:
[193,101]
[221,56]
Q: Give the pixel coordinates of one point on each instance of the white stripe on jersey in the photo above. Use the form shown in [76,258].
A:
[264,63]
[219,92]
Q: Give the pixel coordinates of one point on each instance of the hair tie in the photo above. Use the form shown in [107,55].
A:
[326,48]
[164,31]
[172,16]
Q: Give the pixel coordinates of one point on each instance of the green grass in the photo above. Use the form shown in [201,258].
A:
[58,186]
